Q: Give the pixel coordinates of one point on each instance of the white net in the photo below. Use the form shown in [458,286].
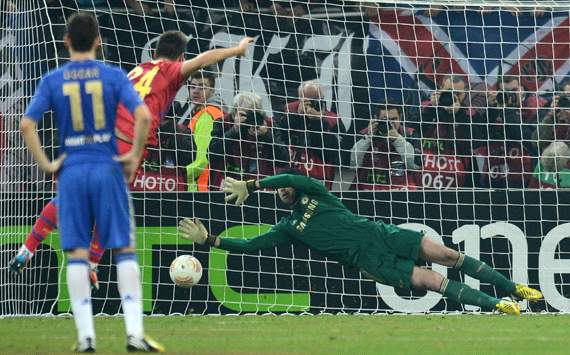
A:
[433,115]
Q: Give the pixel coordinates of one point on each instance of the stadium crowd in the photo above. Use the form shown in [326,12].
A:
[455,137]
[446,144]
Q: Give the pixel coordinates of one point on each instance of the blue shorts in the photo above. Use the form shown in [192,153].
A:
[94,194]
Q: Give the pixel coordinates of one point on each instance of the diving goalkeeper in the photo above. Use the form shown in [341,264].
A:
[382,252]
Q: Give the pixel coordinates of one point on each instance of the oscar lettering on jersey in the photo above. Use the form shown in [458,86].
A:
[311,207]
[81,74]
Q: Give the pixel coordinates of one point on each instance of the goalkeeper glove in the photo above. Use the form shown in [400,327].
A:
[193,230]
[238,190]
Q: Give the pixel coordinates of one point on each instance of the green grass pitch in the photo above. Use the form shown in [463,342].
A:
[340,334]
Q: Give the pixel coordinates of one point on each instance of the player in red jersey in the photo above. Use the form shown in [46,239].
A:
[157,82]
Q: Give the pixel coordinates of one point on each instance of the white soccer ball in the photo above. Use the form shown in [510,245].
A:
[185,271]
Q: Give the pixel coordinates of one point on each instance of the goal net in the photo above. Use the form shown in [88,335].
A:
[448,117]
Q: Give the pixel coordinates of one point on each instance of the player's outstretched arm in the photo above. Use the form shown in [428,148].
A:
[30,134]
[213,56]
[194,230]
[131,160]
[239,190]
[298,182]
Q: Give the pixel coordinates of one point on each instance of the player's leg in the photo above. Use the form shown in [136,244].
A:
[79,288]
[76,225]
[116,231]
[96,252]
[460,292]
[435,252]
[45,224]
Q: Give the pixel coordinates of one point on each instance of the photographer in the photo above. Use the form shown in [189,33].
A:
[504,159]
[512,106]
[446,144]
[245,145]
[383,158]
[312,133]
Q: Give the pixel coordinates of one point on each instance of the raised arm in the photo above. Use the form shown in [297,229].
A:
[213,56]
[195,231]
[239,190]
[298,182]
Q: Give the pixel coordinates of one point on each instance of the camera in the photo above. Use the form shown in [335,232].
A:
[563,102]
[507,98]
[319,105]
[254,118]
[382,128]
[446,99]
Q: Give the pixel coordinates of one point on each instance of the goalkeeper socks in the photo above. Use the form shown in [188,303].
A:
[80,295]
[128,275]
[46,222]
[464,294]
[483,272]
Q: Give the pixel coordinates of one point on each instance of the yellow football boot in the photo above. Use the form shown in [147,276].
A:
[508,306]
[524,292]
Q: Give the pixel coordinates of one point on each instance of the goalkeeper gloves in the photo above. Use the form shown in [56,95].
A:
[238,190]
[193,230]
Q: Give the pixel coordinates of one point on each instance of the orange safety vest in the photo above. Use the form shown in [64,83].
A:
[216,113]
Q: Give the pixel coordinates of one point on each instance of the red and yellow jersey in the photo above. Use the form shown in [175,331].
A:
[157,83]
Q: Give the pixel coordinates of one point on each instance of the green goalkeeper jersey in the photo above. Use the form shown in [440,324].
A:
[320,221]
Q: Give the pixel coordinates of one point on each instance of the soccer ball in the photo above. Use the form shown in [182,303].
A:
[185,271]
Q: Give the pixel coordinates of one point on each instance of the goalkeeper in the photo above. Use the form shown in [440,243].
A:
[384,253]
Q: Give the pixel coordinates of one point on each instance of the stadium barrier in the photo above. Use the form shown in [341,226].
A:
[528,248]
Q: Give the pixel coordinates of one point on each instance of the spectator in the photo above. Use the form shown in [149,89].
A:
[138,6]
[312,133]
[205,111]
[246,146]
[552,170]
[383,158]
[445,155]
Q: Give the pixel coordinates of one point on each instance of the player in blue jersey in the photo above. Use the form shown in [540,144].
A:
[84,94]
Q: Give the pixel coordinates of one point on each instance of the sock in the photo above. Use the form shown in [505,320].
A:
[95,250]
[464,294]
[128,275]
[80,295]
[483,272]
[45,224]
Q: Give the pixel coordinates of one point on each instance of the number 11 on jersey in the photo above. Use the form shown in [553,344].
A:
[93,88]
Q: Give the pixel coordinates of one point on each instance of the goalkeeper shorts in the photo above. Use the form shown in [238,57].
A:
[391,256]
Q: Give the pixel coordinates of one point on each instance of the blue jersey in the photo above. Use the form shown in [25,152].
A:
[84,96]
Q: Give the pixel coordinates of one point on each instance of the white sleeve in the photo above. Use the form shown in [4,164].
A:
[406,151]
[358,150]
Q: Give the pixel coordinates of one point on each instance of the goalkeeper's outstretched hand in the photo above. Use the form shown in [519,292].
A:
[236,190]
[193,230]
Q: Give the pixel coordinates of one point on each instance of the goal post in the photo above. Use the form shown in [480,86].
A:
[469,172]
